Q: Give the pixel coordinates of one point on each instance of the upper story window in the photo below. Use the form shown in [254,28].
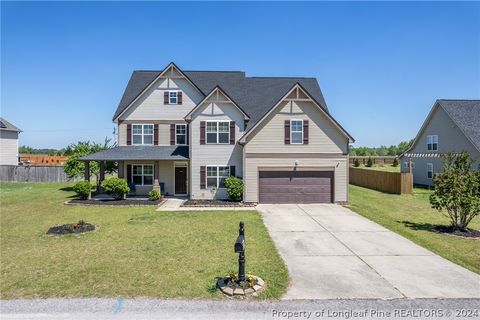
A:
[172,97]
[432,142]
[218,132]
[142,134]
[181,134]
[296,131]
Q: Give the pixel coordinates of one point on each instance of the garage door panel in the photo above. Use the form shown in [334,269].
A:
[295,186]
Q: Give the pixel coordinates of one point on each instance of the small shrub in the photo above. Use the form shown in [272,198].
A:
[369,163]
[83,189]
[115,187]
[356,163]
[153,195]
[234,188]
[395,162]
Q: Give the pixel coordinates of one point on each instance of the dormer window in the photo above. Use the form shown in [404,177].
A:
[432,142]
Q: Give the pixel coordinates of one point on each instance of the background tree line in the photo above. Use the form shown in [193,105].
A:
[393,150]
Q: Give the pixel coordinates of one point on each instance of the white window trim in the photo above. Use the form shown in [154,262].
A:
[218,132]
[176,99]
[186,138]
[143,135]
[143,175]
[218,174]
[434,141]
[291,131]
[429,166]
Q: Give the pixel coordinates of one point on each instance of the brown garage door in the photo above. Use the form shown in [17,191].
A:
[295,186]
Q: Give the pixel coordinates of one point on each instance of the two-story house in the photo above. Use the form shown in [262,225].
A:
[190,130]
[451,126]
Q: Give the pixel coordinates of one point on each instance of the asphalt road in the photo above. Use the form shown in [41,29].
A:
[53,309]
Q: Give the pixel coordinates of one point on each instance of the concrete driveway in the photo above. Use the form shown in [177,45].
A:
[333,253]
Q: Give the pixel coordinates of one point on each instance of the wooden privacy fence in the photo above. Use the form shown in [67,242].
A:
[33,174]
[391,182]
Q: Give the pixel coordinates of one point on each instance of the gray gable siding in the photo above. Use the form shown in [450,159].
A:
[450,139]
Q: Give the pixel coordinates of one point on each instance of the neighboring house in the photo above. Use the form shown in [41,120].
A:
[451,126]
[8,143]
[190,130]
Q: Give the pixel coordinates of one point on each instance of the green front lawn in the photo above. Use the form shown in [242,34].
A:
[136,251]
[412,217]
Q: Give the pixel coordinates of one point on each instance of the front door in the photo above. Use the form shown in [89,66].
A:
[180,180]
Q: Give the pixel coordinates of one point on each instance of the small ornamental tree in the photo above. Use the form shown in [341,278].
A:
[234,188]
[356,163]
[457,190]
[74,168]
[116,187]
[369,163]
[395,162]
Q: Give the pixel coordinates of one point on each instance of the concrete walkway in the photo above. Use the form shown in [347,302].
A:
[174,204]
[333,253]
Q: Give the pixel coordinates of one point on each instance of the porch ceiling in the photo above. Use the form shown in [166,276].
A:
[121,153]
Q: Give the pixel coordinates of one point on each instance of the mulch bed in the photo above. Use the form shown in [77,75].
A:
[108,202]
[69,229]
[216,203]
[448,230]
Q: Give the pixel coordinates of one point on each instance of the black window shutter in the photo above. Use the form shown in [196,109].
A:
[232,132]
[287,131]
[129,173]
[155,134]
[202,132]
[166,97]
[188,133]
[305,131]
[129,134]
[179,97]
[202,177]
[232,171]
[172,134]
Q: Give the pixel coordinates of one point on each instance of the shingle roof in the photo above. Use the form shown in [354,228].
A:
[254,95]
[466,115]
[7,126]
[140,153]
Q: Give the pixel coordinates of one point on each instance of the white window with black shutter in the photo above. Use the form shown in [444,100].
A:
[172,97]
[142,174]
[215,176]
[142,134]
[217,132]
[296,131]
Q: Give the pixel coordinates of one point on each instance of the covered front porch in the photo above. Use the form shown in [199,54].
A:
[165,168]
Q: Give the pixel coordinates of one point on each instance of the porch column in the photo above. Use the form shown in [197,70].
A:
[87,170]
[102,171]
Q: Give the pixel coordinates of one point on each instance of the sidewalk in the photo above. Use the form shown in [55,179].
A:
[174,204]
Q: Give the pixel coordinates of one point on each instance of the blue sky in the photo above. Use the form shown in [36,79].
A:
[381,66]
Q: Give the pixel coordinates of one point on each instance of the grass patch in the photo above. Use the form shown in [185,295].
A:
[412,217]
[136,251]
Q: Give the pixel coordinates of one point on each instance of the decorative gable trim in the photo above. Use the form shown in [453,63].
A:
[215,96]
[297,93]
[167,73]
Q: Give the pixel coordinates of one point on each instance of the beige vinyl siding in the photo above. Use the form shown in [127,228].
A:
[450,138]
[213,154]
[163,130]
[8,148]
[150,105]
[336,164]
[324,136]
